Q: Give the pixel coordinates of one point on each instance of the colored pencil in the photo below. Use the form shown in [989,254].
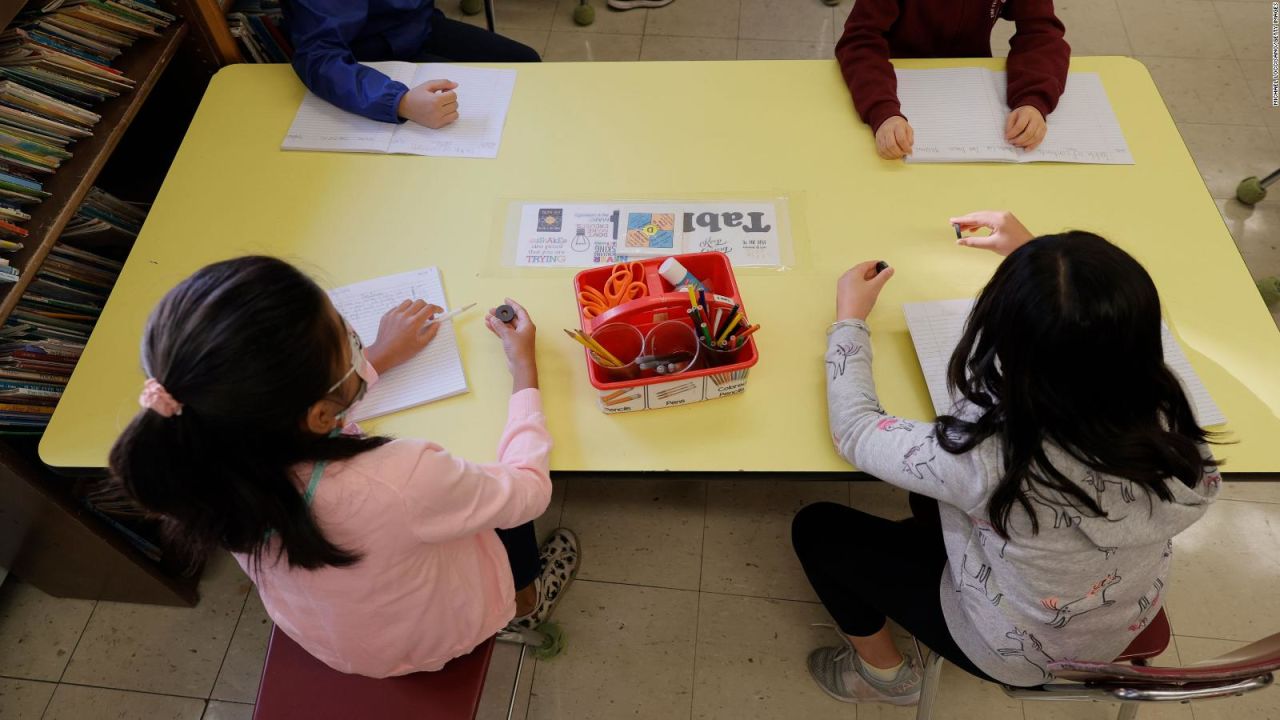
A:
[732,323]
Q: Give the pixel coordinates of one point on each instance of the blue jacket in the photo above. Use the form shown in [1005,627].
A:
[329,35]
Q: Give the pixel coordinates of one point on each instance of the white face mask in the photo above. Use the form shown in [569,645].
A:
[359,366]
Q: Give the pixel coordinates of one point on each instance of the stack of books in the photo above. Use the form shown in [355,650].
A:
[257,26]
[55,67]
[45,334]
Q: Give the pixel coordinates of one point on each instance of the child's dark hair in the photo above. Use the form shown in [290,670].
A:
[247,346]
[1064,346]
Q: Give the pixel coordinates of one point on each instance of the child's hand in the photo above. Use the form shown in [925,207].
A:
[1007,234]
[433,104]
[895,138]
[402,333]
[1025,128]
[518,342]
[857,290]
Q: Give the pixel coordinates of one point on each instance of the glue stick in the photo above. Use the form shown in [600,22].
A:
[673,272]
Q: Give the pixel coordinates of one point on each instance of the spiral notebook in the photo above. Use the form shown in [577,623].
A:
[433,374]
[936,328]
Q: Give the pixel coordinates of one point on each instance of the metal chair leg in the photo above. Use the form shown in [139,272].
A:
[488,15]
[932,677]
[1128,711]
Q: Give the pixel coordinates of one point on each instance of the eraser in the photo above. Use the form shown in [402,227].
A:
[956,227]
[881,266]
[505,313]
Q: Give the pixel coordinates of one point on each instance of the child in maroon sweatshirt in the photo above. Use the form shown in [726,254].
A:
[880,29]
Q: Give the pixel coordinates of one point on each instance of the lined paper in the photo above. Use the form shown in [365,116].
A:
[484,96]
[959,115]
[955,114]
[433,374]
[936,328]
[483,99]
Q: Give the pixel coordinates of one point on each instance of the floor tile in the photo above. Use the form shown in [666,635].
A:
[38,631]
[879,498]
[617,22]
[1257,73]
[496,697]
[785,50]
[747,546]
[24,699]
[1222,566]
[1174,28]
[1248,27]
[751,660]
[638,531]
[803,20]
[629,655]
[223,710]
[550,519]
[1259,705]
[960,697]
[242,667]
[696,18]
[1257,233]
[536,39]
[1267,491]
[163,649]
[664,47]
[1094,27]
[596,47]
[1204,91]
[75,702]
[1107,711]
[527,14]
[1226,154]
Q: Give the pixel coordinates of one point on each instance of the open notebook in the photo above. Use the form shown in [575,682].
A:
[483,98]
[936,328]
[433,374]
[959,114]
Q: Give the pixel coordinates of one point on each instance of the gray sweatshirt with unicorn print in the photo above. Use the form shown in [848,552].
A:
[1081,589]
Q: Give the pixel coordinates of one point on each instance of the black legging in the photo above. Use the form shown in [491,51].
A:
[865,568]
[521,543]
[453,41]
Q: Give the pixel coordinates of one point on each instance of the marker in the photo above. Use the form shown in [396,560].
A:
[505,313]
[446,316]
[956,227]
[881,266]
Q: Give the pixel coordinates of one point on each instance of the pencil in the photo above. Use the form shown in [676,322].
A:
[620,400]
[693,297]
[600,350]
[719,314]
[742,338]
[446,316]
[615,395]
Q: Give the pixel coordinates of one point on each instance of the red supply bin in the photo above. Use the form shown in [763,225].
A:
[704,374]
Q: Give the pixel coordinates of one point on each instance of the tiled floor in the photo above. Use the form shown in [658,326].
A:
[689,603]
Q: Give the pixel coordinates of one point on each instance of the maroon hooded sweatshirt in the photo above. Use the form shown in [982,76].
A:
[880,29]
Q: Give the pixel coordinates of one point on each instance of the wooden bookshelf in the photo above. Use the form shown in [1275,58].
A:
[144,62]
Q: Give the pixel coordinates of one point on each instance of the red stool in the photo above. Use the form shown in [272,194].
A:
[296,685]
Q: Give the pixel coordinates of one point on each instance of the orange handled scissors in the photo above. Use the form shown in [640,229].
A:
[626,283]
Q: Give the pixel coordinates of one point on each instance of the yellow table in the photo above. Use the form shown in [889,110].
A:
[628,130]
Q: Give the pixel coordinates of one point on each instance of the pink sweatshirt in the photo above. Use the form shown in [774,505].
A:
[434,581]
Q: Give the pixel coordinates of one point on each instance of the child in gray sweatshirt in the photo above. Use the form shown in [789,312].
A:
[1044,505]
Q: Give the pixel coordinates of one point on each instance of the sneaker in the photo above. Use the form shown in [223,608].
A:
[559,557]
[633,4]
[840,673]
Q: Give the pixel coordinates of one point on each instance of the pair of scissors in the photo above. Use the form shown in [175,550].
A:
[625,283]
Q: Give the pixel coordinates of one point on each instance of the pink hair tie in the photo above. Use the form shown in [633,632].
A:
[155,398]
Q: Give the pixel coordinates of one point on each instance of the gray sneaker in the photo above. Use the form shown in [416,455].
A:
[840,674]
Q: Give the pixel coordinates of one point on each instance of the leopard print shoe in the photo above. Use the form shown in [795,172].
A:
[559,556]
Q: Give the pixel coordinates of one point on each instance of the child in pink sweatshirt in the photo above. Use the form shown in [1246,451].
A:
[380,557]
